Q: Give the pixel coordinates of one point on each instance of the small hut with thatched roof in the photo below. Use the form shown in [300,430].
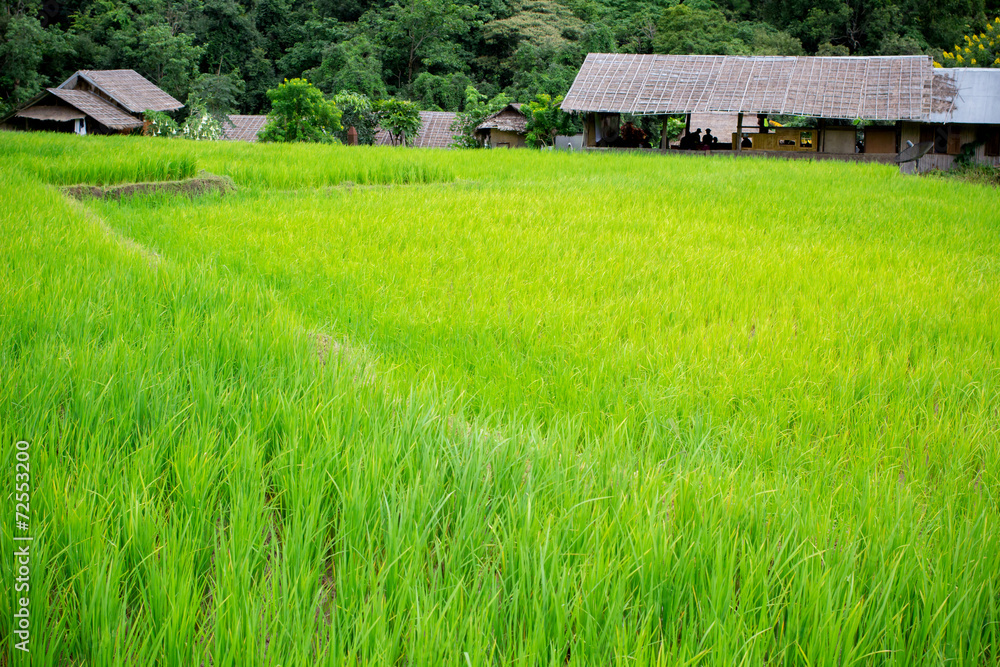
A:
[92,101]
[506,128]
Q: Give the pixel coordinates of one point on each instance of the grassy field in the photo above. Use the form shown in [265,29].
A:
[386,406]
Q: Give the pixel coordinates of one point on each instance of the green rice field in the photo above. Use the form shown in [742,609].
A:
[387,406]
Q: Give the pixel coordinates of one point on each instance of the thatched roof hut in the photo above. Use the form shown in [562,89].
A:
[124,87]
[99,101]
[504,129]
[950,110]
[59,105]
[870,88]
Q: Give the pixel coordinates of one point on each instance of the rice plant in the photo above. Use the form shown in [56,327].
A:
[532,408]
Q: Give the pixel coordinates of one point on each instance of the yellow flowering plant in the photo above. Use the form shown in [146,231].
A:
[981,49]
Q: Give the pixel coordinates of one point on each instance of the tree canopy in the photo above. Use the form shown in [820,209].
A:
[229,53]
[978,50]
[546,120]
[400,118]
[299,112]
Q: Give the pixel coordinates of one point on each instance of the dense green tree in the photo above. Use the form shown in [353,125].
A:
[279,25]
[228,33]
[351,65]
[220,93]
[21,53]
[636,32]
[860,25]
[429,51]
[598,38]
[546,120]
[684,30]
[316,37]
[544,70]
[259,78]
[831,49]
[400,118]
[765,40]
[943,23]
[902,45]
[694,28]
[359,113]
[344,10]
[540,23]
[230,39]
[419,34]
[169,60]
[299,112]
[444,92]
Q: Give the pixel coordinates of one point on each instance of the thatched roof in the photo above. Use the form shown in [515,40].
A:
[435,131]
[873,88]
[126,87]
[96,108]
[508,119]
[243,128]
[50,112]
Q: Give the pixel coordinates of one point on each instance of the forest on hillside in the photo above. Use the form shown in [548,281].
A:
[429,51]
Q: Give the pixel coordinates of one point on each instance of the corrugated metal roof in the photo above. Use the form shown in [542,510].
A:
[435,131]
[243,128]
[872,88]
[98,109]
[966,95]
[126,87]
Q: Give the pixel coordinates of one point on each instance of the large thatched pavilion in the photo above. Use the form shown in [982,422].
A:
[900,99]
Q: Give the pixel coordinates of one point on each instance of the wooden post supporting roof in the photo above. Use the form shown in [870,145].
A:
[739,131]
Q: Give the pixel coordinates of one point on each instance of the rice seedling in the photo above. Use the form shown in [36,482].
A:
[531,409]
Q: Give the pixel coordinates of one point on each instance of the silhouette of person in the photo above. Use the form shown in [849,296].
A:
[746,143]
[709,139]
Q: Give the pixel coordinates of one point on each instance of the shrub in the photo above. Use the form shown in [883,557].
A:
[546,119]
[159,124]
[359,113]
[401,119]
[299,112]
[200,124]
